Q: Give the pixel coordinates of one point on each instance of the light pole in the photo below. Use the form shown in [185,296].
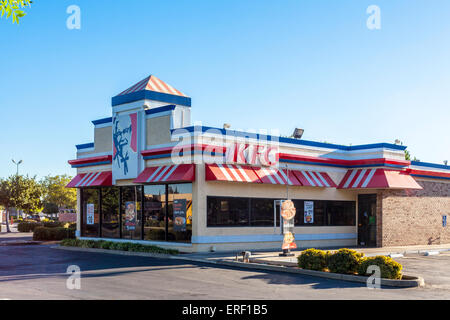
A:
[17,164]
[17,176]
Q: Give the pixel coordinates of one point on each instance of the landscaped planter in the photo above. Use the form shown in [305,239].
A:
[291,267]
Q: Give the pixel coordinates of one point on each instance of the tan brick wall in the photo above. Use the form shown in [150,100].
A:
[413,217]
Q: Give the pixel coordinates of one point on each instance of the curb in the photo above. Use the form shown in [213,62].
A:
[288,267]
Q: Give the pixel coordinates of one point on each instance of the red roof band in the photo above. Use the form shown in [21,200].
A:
[378,179]
[168,173]
[91,179]
[267,175]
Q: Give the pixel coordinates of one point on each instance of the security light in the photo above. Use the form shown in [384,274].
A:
[298,133]
[226,126]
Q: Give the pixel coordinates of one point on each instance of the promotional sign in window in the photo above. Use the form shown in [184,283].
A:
[90,213]
[288,213]
[309,212]
[125,146]
[179,215]
[130,215]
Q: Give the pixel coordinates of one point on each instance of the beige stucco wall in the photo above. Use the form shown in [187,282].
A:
[158,130]
[102,141]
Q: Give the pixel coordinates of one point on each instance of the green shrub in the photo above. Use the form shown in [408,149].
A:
[52,224]
[344,261]
[27,226]
[389,268]
[52,234]
[114,245]
[313,259]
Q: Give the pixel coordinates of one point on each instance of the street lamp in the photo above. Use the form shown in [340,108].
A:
[17,164]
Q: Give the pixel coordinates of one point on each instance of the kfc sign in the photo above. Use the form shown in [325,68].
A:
[258,155]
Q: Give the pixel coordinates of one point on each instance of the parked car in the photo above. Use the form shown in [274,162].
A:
[35,217]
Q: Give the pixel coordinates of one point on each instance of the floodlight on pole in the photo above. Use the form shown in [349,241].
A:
[17,164]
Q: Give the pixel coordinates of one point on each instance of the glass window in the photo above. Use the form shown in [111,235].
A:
[223,211]
[154,212]
[262,212]
[131,212]
[180,212]
[110,212]
[90,210]
[341,213]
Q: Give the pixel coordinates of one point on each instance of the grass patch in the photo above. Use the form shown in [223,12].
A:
[112,245]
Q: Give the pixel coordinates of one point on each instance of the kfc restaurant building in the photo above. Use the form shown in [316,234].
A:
[152,177]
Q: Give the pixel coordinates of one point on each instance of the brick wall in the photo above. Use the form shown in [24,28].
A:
[413,217]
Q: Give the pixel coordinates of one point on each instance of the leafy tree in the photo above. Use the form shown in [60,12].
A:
[56,194]
[20,192]
[14,8]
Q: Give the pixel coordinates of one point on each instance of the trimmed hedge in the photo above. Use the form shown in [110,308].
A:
[313,259]
[389,268]
[53,234]
[348,262]
[344,261]
[29,226]
[115,245]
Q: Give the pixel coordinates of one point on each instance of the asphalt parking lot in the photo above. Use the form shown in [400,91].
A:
[39,272]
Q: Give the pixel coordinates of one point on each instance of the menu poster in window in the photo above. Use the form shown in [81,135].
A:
[309,212]
[90,211]
[130,215]
[179,215]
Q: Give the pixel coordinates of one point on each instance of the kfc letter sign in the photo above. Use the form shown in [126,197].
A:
[262,155]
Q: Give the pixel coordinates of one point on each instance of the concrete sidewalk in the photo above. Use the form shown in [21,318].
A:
[272,257]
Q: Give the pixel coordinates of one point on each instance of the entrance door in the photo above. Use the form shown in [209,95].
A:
[367,220]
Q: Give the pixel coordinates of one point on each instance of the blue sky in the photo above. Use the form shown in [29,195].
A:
[252,63]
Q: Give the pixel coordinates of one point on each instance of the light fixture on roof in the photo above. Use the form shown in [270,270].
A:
[226,126]
[397,141]
[298,133]
[446,162]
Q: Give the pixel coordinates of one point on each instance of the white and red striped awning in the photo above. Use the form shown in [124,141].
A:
[267,175]
[167,173]
[378,179]
[230,172]
[91,179]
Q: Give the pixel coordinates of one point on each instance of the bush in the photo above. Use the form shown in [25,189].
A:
[113,245]
[389,268]
[50,234]
[27,226]
[344,261]
[52,224]
[313,259]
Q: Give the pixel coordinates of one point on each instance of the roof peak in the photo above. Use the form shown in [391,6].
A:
[152,83]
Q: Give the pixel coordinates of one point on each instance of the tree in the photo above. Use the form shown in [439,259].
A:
[56,195]
[14,8]
[20,192]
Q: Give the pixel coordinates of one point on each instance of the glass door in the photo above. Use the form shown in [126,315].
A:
[367,220]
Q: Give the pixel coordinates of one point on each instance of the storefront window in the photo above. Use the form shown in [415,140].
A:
[262,212]
[110,212]
[235,212]
[341,213]
[180,212]
[131,212]
[154,212]
[90,212]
